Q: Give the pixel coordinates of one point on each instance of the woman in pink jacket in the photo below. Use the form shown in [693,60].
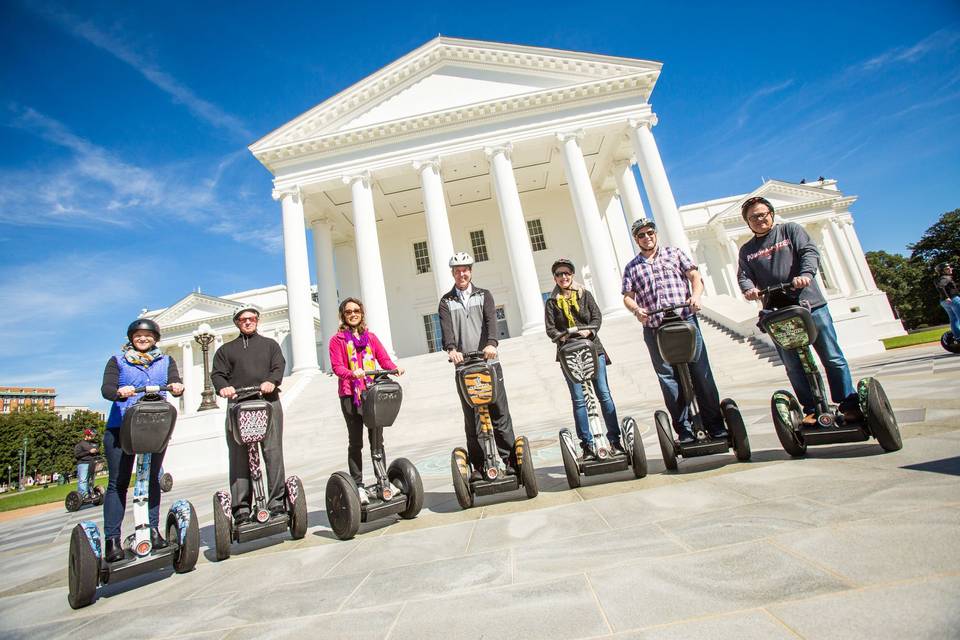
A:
[353,352]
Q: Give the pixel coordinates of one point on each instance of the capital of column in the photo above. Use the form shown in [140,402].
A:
[625,163]
[433,163]
[292,192]
[363,176]
[564,136]
[649,122]
[506,149]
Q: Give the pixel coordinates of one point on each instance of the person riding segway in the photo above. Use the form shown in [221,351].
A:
[950,301]
[494,460]
[86,453]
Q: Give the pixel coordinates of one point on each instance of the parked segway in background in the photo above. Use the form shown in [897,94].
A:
[146,429]
[578,361]
[166,481]
[399,489]
[949,343]
[791,326]
[479,386]
[677,341]
[94,494]
[249,421]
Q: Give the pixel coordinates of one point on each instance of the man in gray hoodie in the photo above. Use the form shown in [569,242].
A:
[780,253]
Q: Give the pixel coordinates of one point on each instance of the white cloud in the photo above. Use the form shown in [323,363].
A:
[941,40]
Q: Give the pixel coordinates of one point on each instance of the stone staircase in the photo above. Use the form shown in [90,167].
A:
[763,348]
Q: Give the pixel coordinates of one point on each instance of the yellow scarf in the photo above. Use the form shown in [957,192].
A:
[565,302]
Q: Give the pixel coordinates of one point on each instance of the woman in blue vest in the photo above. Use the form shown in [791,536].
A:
[139,363]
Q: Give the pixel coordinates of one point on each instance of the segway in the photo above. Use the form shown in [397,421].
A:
[398,489]
[250,417]
[677,341]
[479,386]
[94,493]
[579,362]
[949,343]
[791,326]
[146,429]
[166,481]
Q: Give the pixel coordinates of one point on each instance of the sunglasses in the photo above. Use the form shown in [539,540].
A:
[560,274]
[247,320]
[645,234]
[352,312]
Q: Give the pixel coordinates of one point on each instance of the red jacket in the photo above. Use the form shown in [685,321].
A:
[338,360]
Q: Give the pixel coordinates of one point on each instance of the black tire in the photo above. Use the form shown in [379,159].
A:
[738,430]
[638,457]
[83,570]
[461,477]
[222,531]
[949,343]
[73,501]
[787,426]
[665,436]
[343,505]
[298,512]
[166,483]
[528,475]
[98,496]
[570,466]
[404,474]
[185,559]
[881,420]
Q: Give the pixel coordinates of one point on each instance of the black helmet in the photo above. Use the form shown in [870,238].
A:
[563,262]
[143,324]
[943,265]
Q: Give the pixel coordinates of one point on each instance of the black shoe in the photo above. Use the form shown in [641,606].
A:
[719,434]
[114,550]
[686,437]
[156,540]
[278,510]
[241,518]
[616,449]
[476,476]
[511,471]
[588,451]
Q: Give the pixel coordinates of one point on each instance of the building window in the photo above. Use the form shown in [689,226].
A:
[535,229]
[431,326]
[479,245]
[421,256]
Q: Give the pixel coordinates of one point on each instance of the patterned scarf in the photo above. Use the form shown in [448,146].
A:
[141,359]
[568,301]
[360,357]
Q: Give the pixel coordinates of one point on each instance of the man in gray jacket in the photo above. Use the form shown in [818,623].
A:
[780,253]
[468,322]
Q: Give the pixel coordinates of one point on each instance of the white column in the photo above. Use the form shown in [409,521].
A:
[856,279]
[326,284]
[299,305]
[856,252]
[619,233]
[657,186]
[832,257]
[439,240]
[629,197]
[703,264]
[373,290]
[733,250]
[602,263]
[191,391]
[526,285]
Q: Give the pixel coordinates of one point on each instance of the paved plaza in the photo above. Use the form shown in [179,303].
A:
[848,542]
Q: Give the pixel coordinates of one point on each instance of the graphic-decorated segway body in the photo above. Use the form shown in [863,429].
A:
[146,429]
[94,494]
[398,490]
[791,326]
[677,342]
[949,342]
[250,419]
[480,385]
[579,362]
[166,481]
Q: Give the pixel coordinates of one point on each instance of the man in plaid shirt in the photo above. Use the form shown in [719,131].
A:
[660,277]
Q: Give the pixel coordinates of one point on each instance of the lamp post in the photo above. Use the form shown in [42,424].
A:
[204,337]
[23,468]
[9,486]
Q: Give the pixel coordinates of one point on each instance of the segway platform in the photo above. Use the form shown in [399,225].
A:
[708,447]
[834,434]
[491,487]
[377,509]
[254,530]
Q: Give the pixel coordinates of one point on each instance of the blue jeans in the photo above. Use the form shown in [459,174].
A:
[604,399]
[952,307]
[120,466]
[83,476]
[841,386]
[704,387]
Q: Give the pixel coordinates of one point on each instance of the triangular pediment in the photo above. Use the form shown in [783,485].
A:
[785,196]
[449,74]
[196,307]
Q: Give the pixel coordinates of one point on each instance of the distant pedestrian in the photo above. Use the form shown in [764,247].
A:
[949,296]
[85,452]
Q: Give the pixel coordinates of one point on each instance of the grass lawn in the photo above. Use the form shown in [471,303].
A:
[920,337]
[52,493]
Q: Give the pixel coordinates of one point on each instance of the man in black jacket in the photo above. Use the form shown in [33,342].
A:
[949,296]
[86,452]
[468,322]
[251,360]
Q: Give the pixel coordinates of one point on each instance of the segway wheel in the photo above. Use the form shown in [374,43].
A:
[460,470]
[880,417]
[630,431]
[83,570]
[738,430]
[73,501]
[343,505]
[298,510]
[185,559]
[222,528]
[166,483]
[404,474]
[949,343]
[570,466]
[787,414]
[528,476]
[665,436]
[98,496]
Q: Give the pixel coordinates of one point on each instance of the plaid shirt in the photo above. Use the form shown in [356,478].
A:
[659,281]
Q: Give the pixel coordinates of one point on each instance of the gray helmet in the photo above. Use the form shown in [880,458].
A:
[640,224]
[461,259]
[143,324]
[562,262]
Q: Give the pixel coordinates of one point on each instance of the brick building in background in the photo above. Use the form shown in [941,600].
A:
[16,398]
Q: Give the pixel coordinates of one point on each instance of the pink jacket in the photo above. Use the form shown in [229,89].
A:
[338,360]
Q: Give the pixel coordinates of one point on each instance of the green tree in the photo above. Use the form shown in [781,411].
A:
[897,276]
[939,243]
[50,440]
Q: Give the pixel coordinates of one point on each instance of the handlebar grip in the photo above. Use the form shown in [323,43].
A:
[151,388]
[382,372]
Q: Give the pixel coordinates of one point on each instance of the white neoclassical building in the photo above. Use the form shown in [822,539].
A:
[517,155]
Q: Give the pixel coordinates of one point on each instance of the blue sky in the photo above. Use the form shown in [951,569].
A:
[126,182]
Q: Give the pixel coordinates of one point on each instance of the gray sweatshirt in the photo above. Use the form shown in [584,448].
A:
[781,255]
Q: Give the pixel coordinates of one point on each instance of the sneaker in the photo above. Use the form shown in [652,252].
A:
[278,510]
[510,470]
[364,496]
[156,540]
[588,451]
[241,518]
[686,437]
[719,433]
[114,551]
[616,449]
[809,420]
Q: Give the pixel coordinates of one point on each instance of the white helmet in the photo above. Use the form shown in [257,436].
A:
[461,259]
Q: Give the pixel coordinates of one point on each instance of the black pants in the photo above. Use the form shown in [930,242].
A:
[120,466]
[241,489]
[502,428]
[354,419]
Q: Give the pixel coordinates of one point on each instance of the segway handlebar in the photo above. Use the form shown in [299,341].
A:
[152,388]
[572,331]
[672,307]
[783,286]
[382,372]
